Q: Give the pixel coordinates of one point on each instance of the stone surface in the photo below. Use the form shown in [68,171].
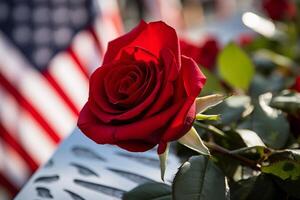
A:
[82,170]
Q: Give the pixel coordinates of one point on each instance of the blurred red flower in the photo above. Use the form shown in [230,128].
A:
[279,9]
[296,85]
[205,54]
[245,39]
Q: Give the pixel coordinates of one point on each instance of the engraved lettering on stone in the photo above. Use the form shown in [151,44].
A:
[100,188]
[84,170]
[131,176]
[73,195]
[86,153]
[141,159]
[47,179]
[44,192]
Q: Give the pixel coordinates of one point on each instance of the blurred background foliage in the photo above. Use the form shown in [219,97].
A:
[249,51]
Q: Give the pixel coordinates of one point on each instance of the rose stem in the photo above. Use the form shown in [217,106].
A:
[221,150]
[211,129]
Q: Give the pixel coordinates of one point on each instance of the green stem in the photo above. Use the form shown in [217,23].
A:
[221,150]
[210,129]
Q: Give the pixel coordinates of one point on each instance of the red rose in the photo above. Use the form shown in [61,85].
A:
[204,54]
[245,39]
[296,85]
[144,92]
[209,51]
[279,9]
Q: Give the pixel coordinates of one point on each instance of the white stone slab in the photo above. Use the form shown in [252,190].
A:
[83,170]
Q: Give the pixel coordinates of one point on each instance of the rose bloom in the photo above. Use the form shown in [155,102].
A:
[245,39]
[279,9]
[204,54]
[144,92]
[296,85]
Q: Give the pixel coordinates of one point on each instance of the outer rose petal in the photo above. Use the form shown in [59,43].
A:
[89,125]
[193,78]
[152,37]
[136,145]
[142,130]
[194,81]
[116,45]
[190,50]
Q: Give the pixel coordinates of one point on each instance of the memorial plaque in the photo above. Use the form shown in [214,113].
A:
[80,169]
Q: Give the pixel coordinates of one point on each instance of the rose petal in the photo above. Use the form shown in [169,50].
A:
[171,70]
[193,81]
[152,37]
[135,111]
[89,125]
[116,45]
[193,78]
[171,67]
[115,79]
[163,98]
[97,96]
[140,130]
[145,129]
[135,145]
[180,125]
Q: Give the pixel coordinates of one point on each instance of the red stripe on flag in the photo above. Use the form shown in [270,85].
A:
[78,63]
[8,185]
[26,105]
[61,93]
[10,140]
[117,22]
[96,40]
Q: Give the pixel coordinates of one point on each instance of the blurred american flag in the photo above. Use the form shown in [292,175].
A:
[48,48]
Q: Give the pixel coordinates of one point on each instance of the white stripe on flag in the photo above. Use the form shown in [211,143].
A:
[85,48]
[12,165]
[28,134]
[63,69]
[35,89]
[108,25]
[48,103]
[109,33]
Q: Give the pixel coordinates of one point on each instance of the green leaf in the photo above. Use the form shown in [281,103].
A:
[212,85]
[287,101]
[279,60]
[149,191]
[256,153]
[285,169]
[250,138]
[232,109]
[193,141]
[262,84]
[235,67]
[291,187]
[206,102]
[292,154]
[269,124]
[199,178]
[259,187]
